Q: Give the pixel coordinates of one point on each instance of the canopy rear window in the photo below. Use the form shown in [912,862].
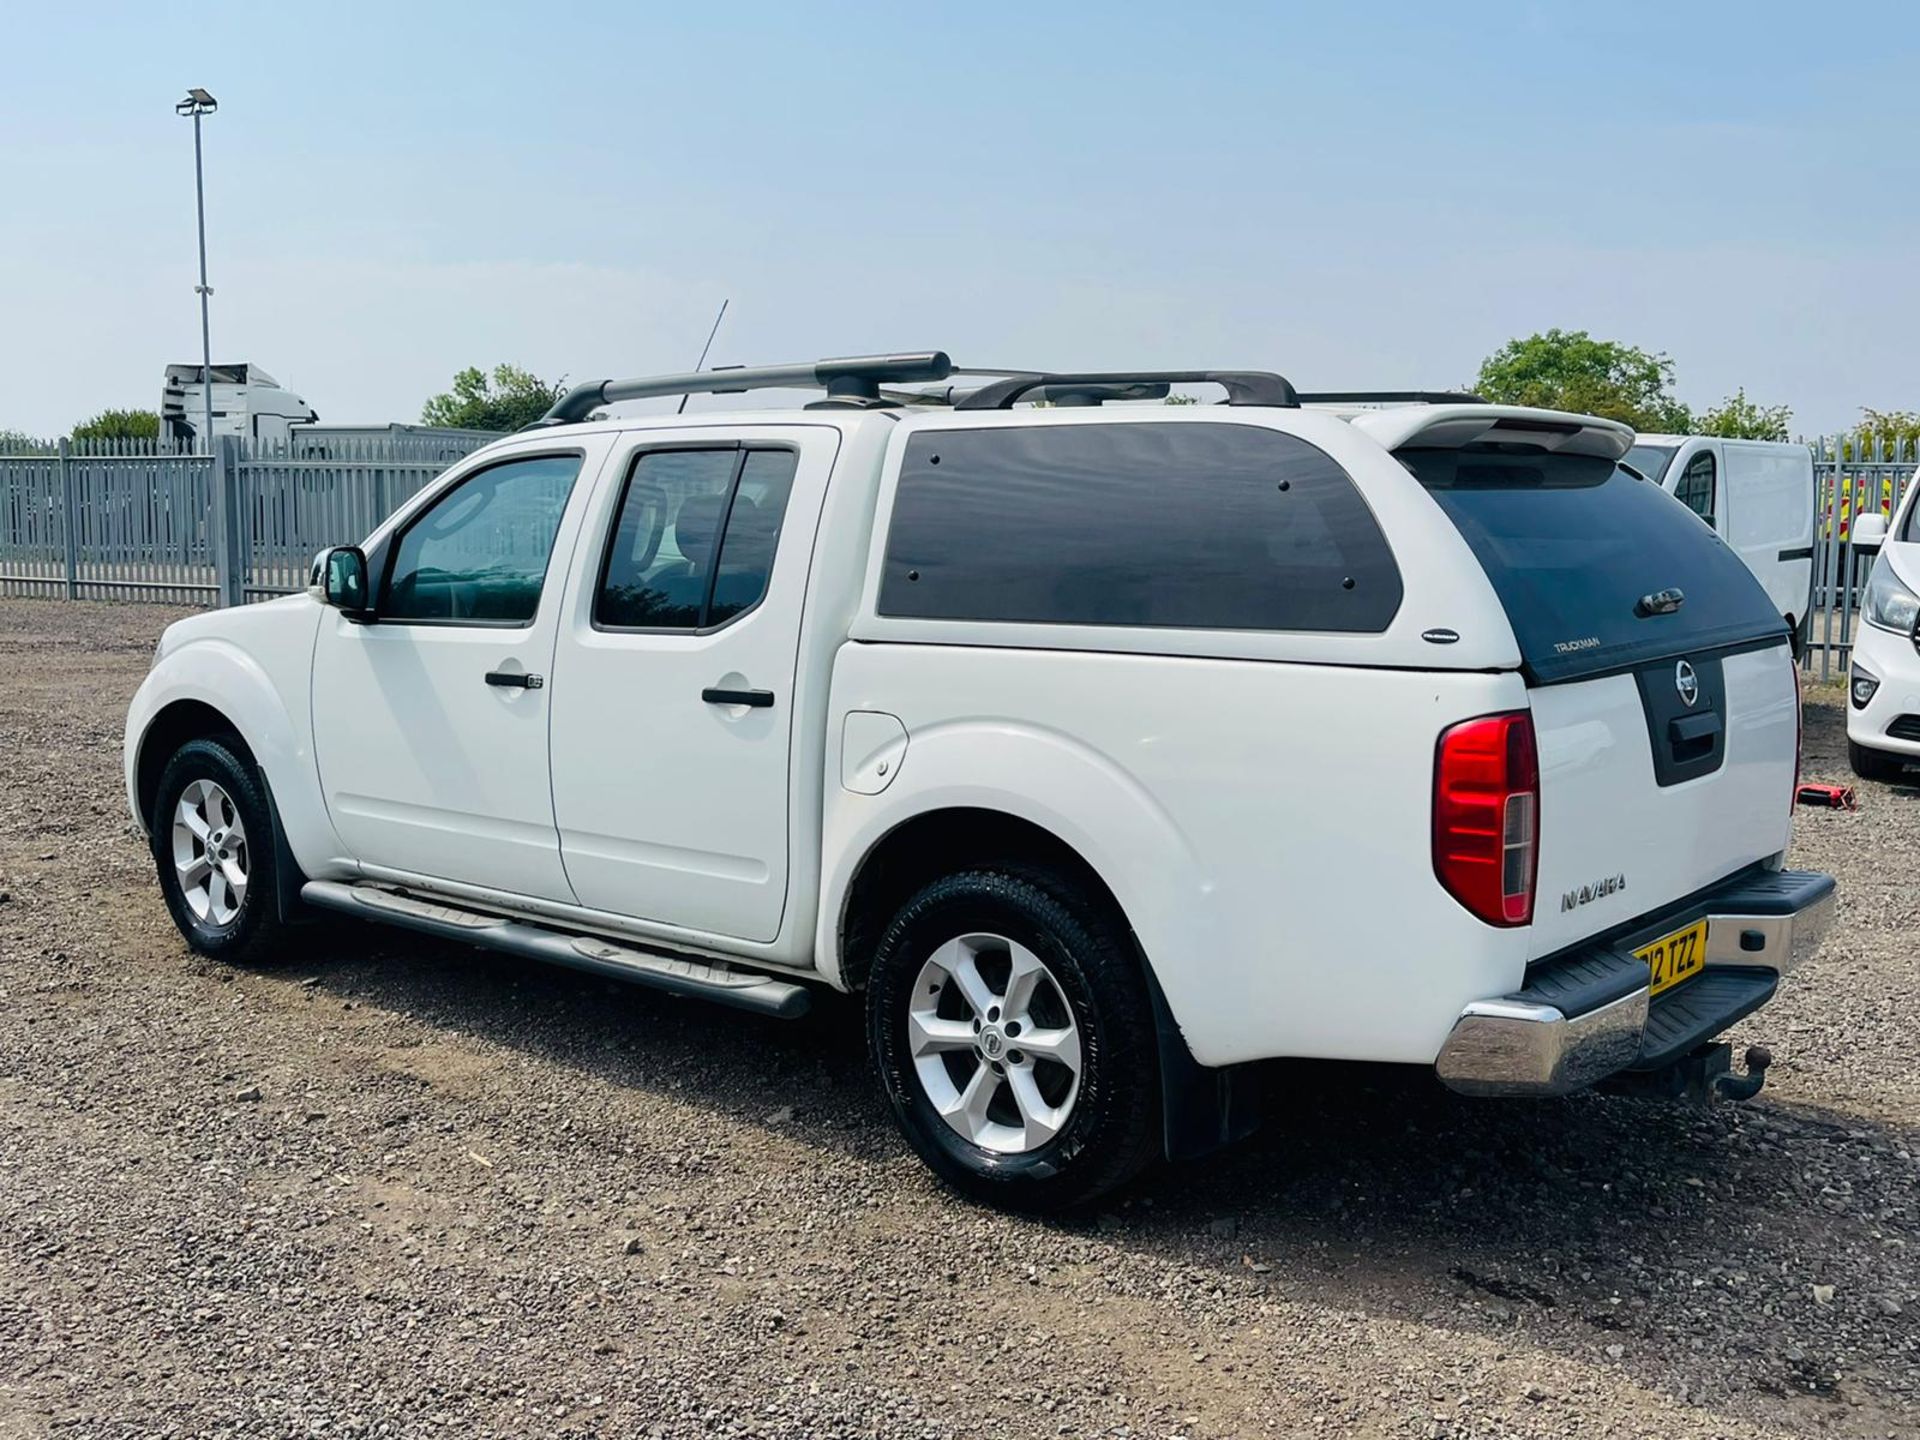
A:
[1574,544]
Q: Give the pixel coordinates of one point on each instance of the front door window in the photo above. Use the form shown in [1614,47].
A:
[478,555]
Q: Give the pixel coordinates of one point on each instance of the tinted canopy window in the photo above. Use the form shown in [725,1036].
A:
[1191,526]
[1573,543]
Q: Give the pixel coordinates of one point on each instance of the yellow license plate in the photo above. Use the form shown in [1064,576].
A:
[1676,957]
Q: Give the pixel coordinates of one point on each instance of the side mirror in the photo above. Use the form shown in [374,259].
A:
[339,579]
[1869,531]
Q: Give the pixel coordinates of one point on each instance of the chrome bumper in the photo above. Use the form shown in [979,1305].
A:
[1524,1044]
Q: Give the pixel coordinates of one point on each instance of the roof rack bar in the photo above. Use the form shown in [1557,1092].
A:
[1393,397]
[856,376]
[1065,396]
[1243,387]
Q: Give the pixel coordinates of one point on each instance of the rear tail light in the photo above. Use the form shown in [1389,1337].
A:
[1799,733]
[1486,816]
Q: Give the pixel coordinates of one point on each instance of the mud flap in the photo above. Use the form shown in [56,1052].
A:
[286,870]
[1202,1108]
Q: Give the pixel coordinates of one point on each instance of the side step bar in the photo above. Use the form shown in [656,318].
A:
[676,974]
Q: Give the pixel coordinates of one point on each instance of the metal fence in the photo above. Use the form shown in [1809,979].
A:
[136,520]
[1851,476]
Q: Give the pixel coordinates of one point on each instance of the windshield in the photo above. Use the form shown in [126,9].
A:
[1576,546]
[1651,460]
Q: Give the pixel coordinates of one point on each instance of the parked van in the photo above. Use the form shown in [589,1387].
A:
[1758,494]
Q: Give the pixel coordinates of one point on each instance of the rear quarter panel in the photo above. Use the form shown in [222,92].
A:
[1265,826]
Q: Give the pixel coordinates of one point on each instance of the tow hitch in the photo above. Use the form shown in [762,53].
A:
[1744,1087]
[1700,1076]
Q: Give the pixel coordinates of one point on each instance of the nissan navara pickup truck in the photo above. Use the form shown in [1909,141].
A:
[1107,748]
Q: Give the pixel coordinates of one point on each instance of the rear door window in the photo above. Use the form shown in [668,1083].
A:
[694,542]
[1573,545]
[1187,526]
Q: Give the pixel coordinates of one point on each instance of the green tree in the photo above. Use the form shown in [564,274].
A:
[1738,418]
[18,442]
[511,398]
[1893,426]
[1570,370]
[119,425]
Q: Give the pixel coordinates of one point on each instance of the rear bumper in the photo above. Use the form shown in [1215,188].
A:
[1585,1015]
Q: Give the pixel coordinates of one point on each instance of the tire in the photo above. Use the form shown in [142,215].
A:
[1875,764]
[1033,1129]
[228,909]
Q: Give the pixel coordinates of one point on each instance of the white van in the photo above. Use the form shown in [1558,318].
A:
[1758,494]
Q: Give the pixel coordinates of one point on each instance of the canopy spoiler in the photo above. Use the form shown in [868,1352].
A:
[1453,427]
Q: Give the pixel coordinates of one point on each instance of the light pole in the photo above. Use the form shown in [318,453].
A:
[198,103]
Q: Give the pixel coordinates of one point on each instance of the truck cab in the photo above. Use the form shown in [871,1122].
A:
[247,402]
[1108,749]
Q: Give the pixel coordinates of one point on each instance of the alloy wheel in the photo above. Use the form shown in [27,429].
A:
[210,854]
[995,1044]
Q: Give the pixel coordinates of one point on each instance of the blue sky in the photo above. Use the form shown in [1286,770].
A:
[1371,195]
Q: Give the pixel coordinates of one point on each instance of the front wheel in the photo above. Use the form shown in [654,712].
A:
[212,838]
[1875,764]
[1014,1038]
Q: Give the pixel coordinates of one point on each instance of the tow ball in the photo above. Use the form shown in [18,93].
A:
[1744,1087]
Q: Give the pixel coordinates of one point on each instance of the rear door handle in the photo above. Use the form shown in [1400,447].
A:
[516,680]
[758,699]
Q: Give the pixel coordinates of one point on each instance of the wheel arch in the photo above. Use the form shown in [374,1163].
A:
[213,688]
[931,843]
[172,726]
[1202,1108]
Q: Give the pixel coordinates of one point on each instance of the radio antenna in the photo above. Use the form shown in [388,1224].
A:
[701,363]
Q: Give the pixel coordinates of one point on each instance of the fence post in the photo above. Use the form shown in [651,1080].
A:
[70,518]
[229,541]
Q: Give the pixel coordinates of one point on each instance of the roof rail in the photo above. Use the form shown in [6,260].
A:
[1065,396]
[855,378]
[1393,397]
[1243,387]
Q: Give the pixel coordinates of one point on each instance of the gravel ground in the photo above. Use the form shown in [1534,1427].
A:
[399,1188]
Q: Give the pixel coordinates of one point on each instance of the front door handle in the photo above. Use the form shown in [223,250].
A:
[758,699]
[516,680]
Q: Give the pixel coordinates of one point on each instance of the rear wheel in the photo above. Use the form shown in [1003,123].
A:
[212,837]
[1875,764]
[1014,1038]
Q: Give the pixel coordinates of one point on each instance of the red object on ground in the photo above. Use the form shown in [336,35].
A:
[1834,797]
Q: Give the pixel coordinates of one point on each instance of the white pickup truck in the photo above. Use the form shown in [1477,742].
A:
[1108,748]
